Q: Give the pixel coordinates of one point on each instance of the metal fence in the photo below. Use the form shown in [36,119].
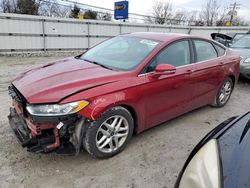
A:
[36,33]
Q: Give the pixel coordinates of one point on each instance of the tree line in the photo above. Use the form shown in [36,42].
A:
[211,14]
[162,12]
[50,8]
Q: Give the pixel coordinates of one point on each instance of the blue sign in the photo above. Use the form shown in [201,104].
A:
[121,10]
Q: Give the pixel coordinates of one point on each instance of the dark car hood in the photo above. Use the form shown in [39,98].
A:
[55,81]
[235,154]
[242,52]
[233,136]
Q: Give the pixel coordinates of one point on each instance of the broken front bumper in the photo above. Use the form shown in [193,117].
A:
[39,134]
[42,135]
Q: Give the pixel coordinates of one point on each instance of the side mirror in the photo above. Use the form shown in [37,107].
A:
[164,69]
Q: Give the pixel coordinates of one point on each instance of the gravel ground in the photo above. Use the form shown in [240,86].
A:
[152,159]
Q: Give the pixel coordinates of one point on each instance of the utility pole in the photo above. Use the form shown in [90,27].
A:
[233,7]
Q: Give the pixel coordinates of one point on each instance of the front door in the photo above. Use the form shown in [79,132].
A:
[166,95]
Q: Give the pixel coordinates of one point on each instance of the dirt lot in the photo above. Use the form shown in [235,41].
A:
[152,159]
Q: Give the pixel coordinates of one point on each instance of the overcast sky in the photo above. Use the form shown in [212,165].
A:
[143,6]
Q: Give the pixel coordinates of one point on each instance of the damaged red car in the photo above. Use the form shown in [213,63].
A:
[123,86]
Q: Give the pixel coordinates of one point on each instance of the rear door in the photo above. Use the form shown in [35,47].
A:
[209,71]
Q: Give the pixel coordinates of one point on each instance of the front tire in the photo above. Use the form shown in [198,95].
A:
[109,135]
[224,93]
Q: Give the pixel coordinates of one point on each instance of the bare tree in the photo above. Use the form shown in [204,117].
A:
[8,6]
[180,17]
[149,19]
[48,8]
[54,9]
[213,14]
[192,17]
[209,12]
[62,12]
[222,17]
[226,17]
[161,12]
[239,21]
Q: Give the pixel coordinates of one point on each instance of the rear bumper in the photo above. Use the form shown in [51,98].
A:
[46,137]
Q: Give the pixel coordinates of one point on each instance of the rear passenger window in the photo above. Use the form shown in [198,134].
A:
[220,50]
[204,50]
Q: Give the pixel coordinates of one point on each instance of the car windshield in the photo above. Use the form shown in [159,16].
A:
[120,53]
[243,42]
[238,36]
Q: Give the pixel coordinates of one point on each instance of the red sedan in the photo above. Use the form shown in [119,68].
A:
[122,86]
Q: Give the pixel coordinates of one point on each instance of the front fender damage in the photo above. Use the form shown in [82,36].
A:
[99,105]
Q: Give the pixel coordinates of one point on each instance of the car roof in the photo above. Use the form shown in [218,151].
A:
[164,37]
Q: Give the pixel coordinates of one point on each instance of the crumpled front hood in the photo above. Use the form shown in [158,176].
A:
[55,81]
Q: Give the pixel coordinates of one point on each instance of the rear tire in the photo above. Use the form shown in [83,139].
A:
[224,93]
[109,135]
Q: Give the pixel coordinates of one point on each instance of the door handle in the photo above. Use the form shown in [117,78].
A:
[221,63]
[190,71]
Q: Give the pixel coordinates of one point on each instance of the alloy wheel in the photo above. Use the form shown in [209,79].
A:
[112,134]
[225,92]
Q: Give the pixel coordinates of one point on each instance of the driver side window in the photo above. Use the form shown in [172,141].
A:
[176,54]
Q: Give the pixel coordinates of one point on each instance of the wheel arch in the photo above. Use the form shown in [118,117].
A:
[128,107]
[232,77]
[95,112]
[133,113]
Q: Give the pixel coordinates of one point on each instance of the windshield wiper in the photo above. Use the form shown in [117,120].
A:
[96,63]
